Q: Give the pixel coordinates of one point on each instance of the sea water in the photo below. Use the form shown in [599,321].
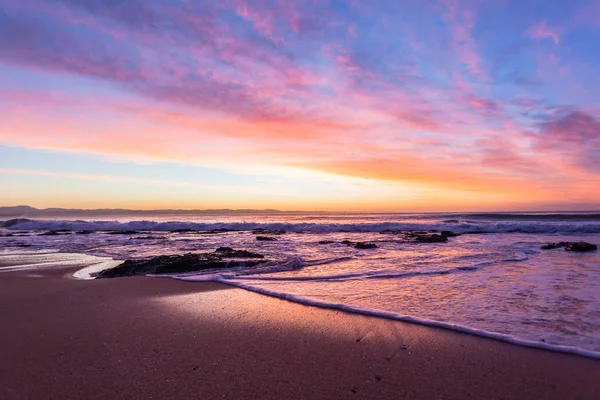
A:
[493,280]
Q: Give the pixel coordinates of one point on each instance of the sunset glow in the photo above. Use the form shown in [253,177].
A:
[354,105]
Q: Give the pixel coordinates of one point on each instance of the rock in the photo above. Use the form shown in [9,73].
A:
[571,246]
[551,246]
[580,247]
[228,252]
[261,231]
[348,243]
[223,250]
[122,232]
[144,238]
[326,242]
[449,234]
[84,232]
[422,236]
[174,264]
[216,231]
[183,230]
[266,238]
[363,245]
[429,238]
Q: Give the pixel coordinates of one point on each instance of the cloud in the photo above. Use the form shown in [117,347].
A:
[571,133]
[541,30]
[461,20]
[343,88]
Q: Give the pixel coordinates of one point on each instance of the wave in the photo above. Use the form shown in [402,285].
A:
[297,262]
[529,216]
[543,226]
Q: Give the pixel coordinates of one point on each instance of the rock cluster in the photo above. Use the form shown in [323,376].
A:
[228,252]
[266,238]
[363,245]
[422,236]
[170,264]
[360,245]
[571,246]
[261,231]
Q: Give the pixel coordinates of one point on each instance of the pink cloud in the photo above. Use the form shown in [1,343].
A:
[461,19]
[541,30]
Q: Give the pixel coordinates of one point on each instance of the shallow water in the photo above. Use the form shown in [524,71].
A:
[498,283]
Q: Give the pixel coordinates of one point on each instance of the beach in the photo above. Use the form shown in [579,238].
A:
[151,338]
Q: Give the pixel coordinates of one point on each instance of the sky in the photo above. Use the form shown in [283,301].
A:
[356,105]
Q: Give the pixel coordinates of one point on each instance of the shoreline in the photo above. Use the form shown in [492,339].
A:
[162,338]
[86,271]
[405,318]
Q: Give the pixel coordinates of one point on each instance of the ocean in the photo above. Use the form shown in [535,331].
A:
[492,280]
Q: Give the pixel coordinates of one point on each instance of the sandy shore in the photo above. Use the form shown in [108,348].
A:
[144,338]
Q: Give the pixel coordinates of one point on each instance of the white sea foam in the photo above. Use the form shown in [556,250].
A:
[482,226]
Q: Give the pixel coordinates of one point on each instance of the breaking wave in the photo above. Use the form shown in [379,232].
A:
[546,224]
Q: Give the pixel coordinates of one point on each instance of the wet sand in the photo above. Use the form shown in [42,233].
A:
[145,338]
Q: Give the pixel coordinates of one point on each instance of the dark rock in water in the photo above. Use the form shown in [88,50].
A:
[422,236]
[348,243]
[173,264]
[144,238]
[551,246]
[55,233]
[122,232]
[449,234]
[224,250]
[326,242]
[429,238]
[362,245]
[571,246]
[228,252]
[216,231]
[266,238]
[183,230]
[261,231]
[84,232]
[581,246]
